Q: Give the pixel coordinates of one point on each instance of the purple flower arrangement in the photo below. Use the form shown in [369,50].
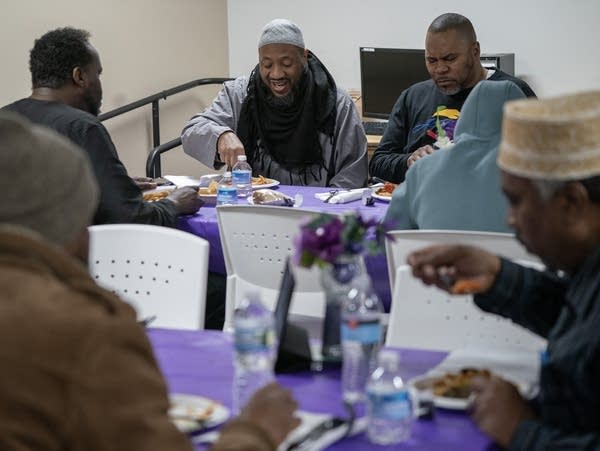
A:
[323,239]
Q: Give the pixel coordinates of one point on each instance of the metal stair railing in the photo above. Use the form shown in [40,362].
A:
[153,168]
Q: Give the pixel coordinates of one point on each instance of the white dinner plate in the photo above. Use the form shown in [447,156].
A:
[382,198]
[192,413]
[449,403]
[271,183]
[442,402]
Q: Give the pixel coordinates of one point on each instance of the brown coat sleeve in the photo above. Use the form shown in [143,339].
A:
[241,435]
[120,398]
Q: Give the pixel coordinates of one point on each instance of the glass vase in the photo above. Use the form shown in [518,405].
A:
[338,280]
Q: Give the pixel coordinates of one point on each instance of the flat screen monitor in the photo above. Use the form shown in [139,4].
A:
[384,74]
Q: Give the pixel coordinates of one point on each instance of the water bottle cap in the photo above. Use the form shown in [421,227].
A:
[241,158]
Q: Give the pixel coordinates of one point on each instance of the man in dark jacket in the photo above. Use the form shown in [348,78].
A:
[550,168]
[66,96]
[425,114]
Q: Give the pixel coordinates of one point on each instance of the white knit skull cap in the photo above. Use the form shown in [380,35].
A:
[281,31]
[554,139]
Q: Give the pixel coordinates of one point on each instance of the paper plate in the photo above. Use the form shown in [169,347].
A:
[443,402]
[270,184]
[382,198]
[193,413]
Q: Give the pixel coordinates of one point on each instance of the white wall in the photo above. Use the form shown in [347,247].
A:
[145,46]
[555,41]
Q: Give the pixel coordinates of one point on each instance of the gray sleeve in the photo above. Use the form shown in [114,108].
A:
[351,162]
[200,135]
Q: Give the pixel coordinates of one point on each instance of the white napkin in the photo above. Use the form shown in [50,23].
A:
[342,196]
[182,180]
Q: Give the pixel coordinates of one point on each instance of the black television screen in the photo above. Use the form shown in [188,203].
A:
[384,74]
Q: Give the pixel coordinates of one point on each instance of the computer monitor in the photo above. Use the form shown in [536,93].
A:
[384,74]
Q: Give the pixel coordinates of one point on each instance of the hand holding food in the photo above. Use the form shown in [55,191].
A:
[186,200]
[229,147]
[498,408]
[444,265]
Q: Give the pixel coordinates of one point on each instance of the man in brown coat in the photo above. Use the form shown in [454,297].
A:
[78,372]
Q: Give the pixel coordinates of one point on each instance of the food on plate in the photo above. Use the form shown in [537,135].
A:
[270,197]
[457,385]
[156,195]
[209,190]
[260,180]
[467,286]
[198,414]
[386,190]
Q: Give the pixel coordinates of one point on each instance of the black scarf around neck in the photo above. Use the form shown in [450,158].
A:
[290,133]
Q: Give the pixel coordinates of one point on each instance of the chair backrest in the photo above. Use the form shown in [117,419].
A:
[429,318]
[162,272]
[406,241]
[256,242]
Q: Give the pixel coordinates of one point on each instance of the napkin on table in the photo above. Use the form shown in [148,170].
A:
[342,196]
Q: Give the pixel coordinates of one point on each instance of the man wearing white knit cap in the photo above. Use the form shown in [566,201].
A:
[550,167]
[289,118]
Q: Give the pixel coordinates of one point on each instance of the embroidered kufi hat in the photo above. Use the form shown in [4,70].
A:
[554,139]
[281,31]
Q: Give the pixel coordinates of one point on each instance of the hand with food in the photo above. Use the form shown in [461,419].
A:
[455,268]
[263,424]
[498,408]
[186,200]
[144,183]
[229,147]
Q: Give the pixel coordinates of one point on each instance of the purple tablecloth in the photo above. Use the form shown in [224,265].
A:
[199,362]
[204,224]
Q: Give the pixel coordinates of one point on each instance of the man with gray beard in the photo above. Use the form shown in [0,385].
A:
[425,114]
[289,119]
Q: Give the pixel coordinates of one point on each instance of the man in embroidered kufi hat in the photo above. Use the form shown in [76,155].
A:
[289,118]
[550,168]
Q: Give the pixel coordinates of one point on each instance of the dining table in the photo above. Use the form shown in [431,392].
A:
[199,363]
[204,223]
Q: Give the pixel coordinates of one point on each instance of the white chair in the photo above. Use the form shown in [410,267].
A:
[429,318]
[162,272]
[256,242]
[406,241]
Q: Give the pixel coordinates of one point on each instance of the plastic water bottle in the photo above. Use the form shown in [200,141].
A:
[226,191]
[389,407]
[361,338]
[254,349]
[242,177]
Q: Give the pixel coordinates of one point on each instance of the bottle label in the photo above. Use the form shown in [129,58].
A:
[242,177]
[256,339]
[226,195]
[366,332]
[391,406]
